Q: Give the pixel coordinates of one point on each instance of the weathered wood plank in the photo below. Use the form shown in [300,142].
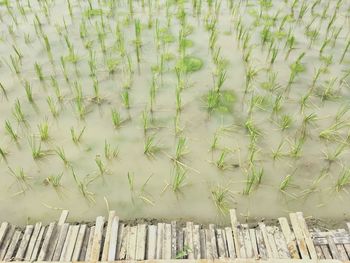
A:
[3,231]
[63,217]
[141,241]
[203,244]
[180,243]
[254,243]
[79,242]
[208,245]
[269,253]
[307,236]
[230,242]
[151,242]
[105,249]
[319,252]
[160,238]
[89,243]
[32,241]
[38,243]
[68,248]
[234,225]
[189,240]
[290,238]
[281,244]
[220,244]
[196,242]
[270,235]
[121,230]
[112,251]
[131,250]
[13,246]
[299,236]
[97,240]
[6,241]
[261,244]
[24,243]
[173,239]
[166,252]
[247,241]
[124,242]
[60,243]
[341,249]
[47,242]
[333,248]
[212,236]
[242,251]
[84,246]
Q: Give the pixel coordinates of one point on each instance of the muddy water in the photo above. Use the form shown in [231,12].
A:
[150,194]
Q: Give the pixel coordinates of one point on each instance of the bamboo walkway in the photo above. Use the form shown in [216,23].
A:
[112,240]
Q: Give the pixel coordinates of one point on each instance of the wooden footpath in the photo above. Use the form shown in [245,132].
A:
[110,239]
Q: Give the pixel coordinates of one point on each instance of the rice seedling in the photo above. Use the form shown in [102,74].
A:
[254,178]
[179,179]
[221,161]
[44,131]
[296,147]
[344,52]
[54,180]
[125,99]
[131,179]
[18,112]
[39,71]
[110,153]
[343,180]
[36,150]
[151,147]
[75,135]
[83,187]
[62,155]
[138,41]
[10,131]
[222,197]
[3,154]
[181,149]
[52,106]
[3,90]
[101,166]
[21,177]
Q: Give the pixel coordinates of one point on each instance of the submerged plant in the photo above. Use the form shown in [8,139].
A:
[151,147]
[222,198]
[76,136]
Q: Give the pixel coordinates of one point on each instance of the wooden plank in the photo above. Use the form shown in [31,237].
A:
[254,243]
[38,244]
[84,246]
[63,217]
[203,244]
[32,241]
[160,237]
[24,243]
[208,245]
[97,239]
[65,244]
[299,236]
[47,242]
[269,253]
[290,238]
[9,256]
[225,242]
[112,252]
[333,248]
[180,243]
[220,244]
[89,243]
[173,239]
[79,242]
[68,248]
[212,236]
[307,236]
[196,242]
[141,241]
[242,251]
[60,243]
[151,242]
[234,225]
[319,252]
[281,244]
[346,246]
[261,244]
[189,240]
[270,235]
[247,241]
[131,249]
[341,249]
[326,252]
[119,240]
[107,239]
[166,251]
[230,242]
[124,243]
[6,241]
[3,231]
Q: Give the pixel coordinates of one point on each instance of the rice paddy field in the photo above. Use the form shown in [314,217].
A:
[174,109]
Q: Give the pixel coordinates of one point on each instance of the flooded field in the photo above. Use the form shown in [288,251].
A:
[174,109]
